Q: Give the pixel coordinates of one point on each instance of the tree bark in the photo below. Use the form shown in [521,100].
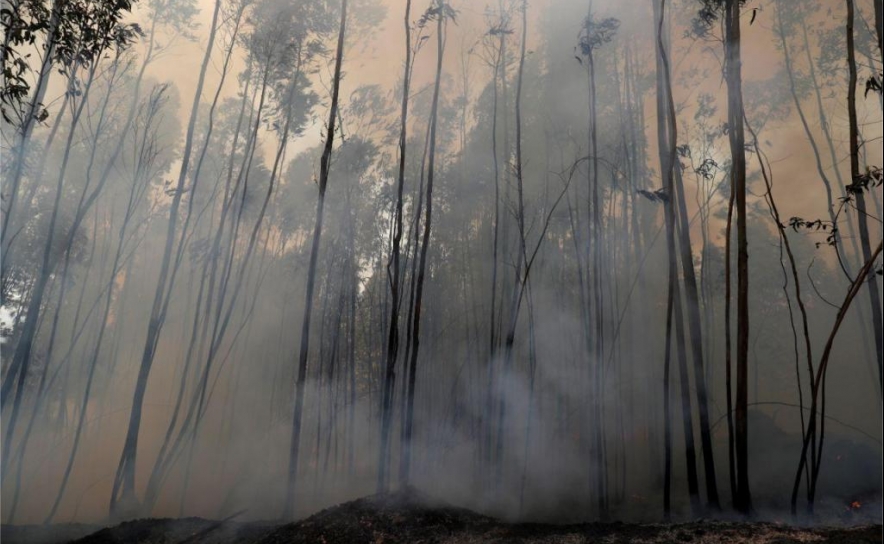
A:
[859,194]
[738,159]
[428,218]
[124,480]
[393,272]
[325,165]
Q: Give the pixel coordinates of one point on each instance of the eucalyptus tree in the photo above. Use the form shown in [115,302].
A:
[858,185]
[23,22]
[102,19]
[67,39]
[285,41]
[60,28]
[393,266]
[124,480]
[149,160]
[666,150]
[143,160]
[520,282]
[80,53]
[728,13]
[325,166]
[817,404]
[680,229]
[594,34]
[493,53]
[440,12]
[733,77]
[814,438]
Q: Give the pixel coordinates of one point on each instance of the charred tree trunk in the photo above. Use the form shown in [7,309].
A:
[393,272]
[124,480]
[441,15]
[858,192]
[733,76]
[325,165]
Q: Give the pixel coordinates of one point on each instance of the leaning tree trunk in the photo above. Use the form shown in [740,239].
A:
[21,358]
[23,135]
[124,480]
[818,388]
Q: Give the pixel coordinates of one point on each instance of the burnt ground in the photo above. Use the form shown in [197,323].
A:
[410,518]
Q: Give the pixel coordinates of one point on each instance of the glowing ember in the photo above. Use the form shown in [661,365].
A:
[855,505]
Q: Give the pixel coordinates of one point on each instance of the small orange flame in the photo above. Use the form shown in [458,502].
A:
[855,504]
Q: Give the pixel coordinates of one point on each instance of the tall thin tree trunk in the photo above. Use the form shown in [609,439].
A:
[818,393]
[428,218]
[859,193]
[665,151]
[393,272]
[325,165]
[666,136]
[738,160]
[492,348]
[18,368]
[677,199]
[124,480]
[23,134]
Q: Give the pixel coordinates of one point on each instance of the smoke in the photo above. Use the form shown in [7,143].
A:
[532,435]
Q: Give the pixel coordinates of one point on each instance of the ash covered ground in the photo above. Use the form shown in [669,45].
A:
[409,517]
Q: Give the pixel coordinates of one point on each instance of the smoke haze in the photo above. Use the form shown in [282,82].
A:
[539,377]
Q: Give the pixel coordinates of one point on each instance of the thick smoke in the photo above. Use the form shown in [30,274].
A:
[529,435]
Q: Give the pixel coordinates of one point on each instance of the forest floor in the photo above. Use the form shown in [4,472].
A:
[409,518]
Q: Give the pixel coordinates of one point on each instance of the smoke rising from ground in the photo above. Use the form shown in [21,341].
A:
[526,419]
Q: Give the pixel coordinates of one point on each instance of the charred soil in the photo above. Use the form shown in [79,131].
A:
[412,518]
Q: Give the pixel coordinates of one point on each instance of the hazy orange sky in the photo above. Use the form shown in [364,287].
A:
[378,60]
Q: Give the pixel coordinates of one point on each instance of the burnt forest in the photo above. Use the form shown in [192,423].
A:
[347,271]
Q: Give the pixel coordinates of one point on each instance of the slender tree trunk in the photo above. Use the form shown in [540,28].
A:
[492,348]
[19,367]
[677,199]
[428,218]
[666,155]
[518,280]
[409,322]
[124,480]
[66,260]
[393,272]
[785,244]
[738,160]
[666,136]
[137,190]
[818,391]
[222,315]
[859,195]
[351,338]
[325,165]
[23,135]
